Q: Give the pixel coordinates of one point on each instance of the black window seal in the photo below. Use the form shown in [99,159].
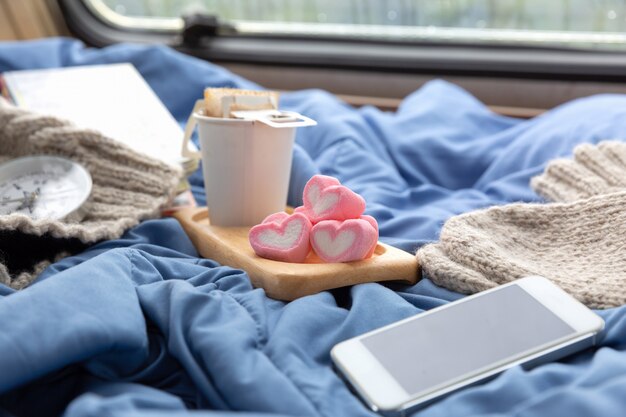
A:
[439,59]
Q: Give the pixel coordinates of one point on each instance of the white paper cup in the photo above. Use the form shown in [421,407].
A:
[246,166]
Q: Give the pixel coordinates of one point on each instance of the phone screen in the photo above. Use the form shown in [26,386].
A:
[454,342]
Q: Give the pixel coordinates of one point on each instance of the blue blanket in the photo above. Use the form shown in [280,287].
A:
[141,326]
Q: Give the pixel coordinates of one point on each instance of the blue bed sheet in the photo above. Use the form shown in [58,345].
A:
[141,326]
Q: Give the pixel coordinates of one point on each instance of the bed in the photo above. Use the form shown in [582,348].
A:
[142,326]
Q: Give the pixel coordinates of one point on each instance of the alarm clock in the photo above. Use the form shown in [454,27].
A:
[44,187]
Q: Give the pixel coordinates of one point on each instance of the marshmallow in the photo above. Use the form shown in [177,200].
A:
[282,237]
[374,224]
[344,241]
[326,199]
[331,221]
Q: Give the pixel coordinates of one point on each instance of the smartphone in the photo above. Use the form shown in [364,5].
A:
[416,361]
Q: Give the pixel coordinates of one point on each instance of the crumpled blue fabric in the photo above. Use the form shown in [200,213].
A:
[141,326]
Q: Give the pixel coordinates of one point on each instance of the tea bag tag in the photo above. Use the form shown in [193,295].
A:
[275,118]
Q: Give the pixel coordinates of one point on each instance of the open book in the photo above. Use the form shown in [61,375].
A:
[113,99]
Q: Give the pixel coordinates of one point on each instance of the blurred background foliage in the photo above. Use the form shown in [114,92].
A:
[553,15]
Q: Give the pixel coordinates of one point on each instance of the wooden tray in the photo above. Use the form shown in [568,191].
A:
[288,281]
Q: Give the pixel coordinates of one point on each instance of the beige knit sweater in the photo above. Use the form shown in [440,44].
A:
[579,242]
[127,186]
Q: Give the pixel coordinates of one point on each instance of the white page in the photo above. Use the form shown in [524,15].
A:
[113,99]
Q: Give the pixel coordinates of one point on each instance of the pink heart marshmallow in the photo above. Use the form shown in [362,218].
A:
[343,241]
[326,199]
[374,224]
[282,237]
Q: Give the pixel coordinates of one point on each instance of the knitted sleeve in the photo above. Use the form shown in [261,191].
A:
[127,186]
[579,244]
[596,169]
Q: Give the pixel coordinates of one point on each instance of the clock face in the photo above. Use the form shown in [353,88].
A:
[43,187]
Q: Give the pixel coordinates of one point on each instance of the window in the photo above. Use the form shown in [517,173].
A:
[525,53]
[552,23]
